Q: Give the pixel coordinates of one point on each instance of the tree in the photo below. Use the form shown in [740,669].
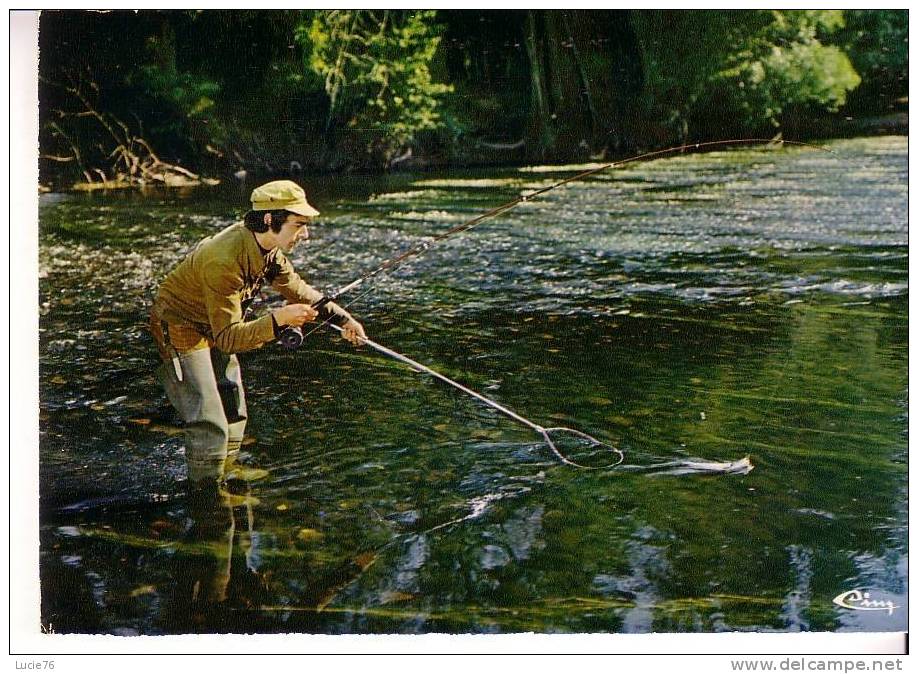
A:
[715,73]
[876,41]
[375,67]
[583,67]
[783,67]
[272,91]
[98,120]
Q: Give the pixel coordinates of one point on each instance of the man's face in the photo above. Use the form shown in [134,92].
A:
[292,231]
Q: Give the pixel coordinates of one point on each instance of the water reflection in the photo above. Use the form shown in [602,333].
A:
[797,601]
[202,567]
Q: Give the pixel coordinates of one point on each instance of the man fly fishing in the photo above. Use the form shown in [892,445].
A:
[199,322]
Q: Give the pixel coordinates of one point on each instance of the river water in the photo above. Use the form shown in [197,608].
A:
[706,307]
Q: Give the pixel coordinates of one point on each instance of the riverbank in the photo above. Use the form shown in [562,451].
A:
[480,156]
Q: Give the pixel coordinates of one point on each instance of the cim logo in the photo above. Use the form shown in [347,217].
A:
[859,600]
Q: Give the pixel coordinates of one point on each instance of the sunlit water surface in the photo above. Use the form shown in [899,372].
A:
[704,307]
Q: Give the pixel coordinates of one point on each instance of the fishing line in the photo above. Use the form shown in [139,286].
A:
[293,337]
[328,320]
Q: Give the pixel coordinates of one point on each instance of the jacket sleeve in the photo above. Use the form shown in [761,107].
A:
[222,289]
[294,289]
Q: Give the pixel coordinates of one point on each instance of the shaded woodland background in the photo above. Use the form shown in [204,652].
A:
[181,96]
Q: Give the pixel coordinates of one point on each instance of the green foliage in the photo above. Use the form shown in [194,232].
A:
[189,94]
[258,90]
[742,70]
[782,65]
[876,41]
[681,51]
[375,69]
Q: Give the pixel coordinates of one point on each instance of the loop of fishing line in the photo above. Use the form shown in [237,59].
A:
[546,434]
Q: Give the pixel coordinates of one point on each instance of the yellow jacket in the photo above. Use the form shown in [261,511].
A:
[207,291]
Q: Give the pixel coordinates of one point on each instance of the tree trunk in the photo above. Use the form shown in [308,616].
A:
[581,81]
[540,136]
[595,72]
[581,72]
[571,121]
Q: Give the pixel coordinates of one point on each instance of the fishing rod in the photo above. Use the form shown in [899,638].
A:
[551,436]
[292,337]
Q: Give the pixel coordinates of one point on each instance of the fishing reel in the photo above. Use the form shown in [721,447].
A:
[292,337]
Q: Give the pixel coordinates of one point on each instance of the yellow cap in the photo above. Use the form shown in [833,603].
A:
[282,194]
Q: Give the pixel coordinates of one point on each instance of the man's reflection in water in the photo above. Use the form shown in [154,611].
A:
[209,583]
[218,583]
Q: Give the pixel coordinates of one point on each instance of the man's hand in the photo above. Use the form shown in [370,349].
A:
[353,332]
[295,314]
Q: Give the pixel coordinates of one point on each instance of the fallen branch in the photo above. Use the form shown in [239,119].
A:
[127,160]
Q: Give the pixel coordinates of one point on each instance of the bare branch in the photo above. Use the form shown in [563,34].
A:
[183,171]
[57,158]
[76,151]
[130,160]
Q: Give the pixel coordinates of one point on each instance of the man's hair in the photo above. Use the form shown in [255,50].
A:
[255,220]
